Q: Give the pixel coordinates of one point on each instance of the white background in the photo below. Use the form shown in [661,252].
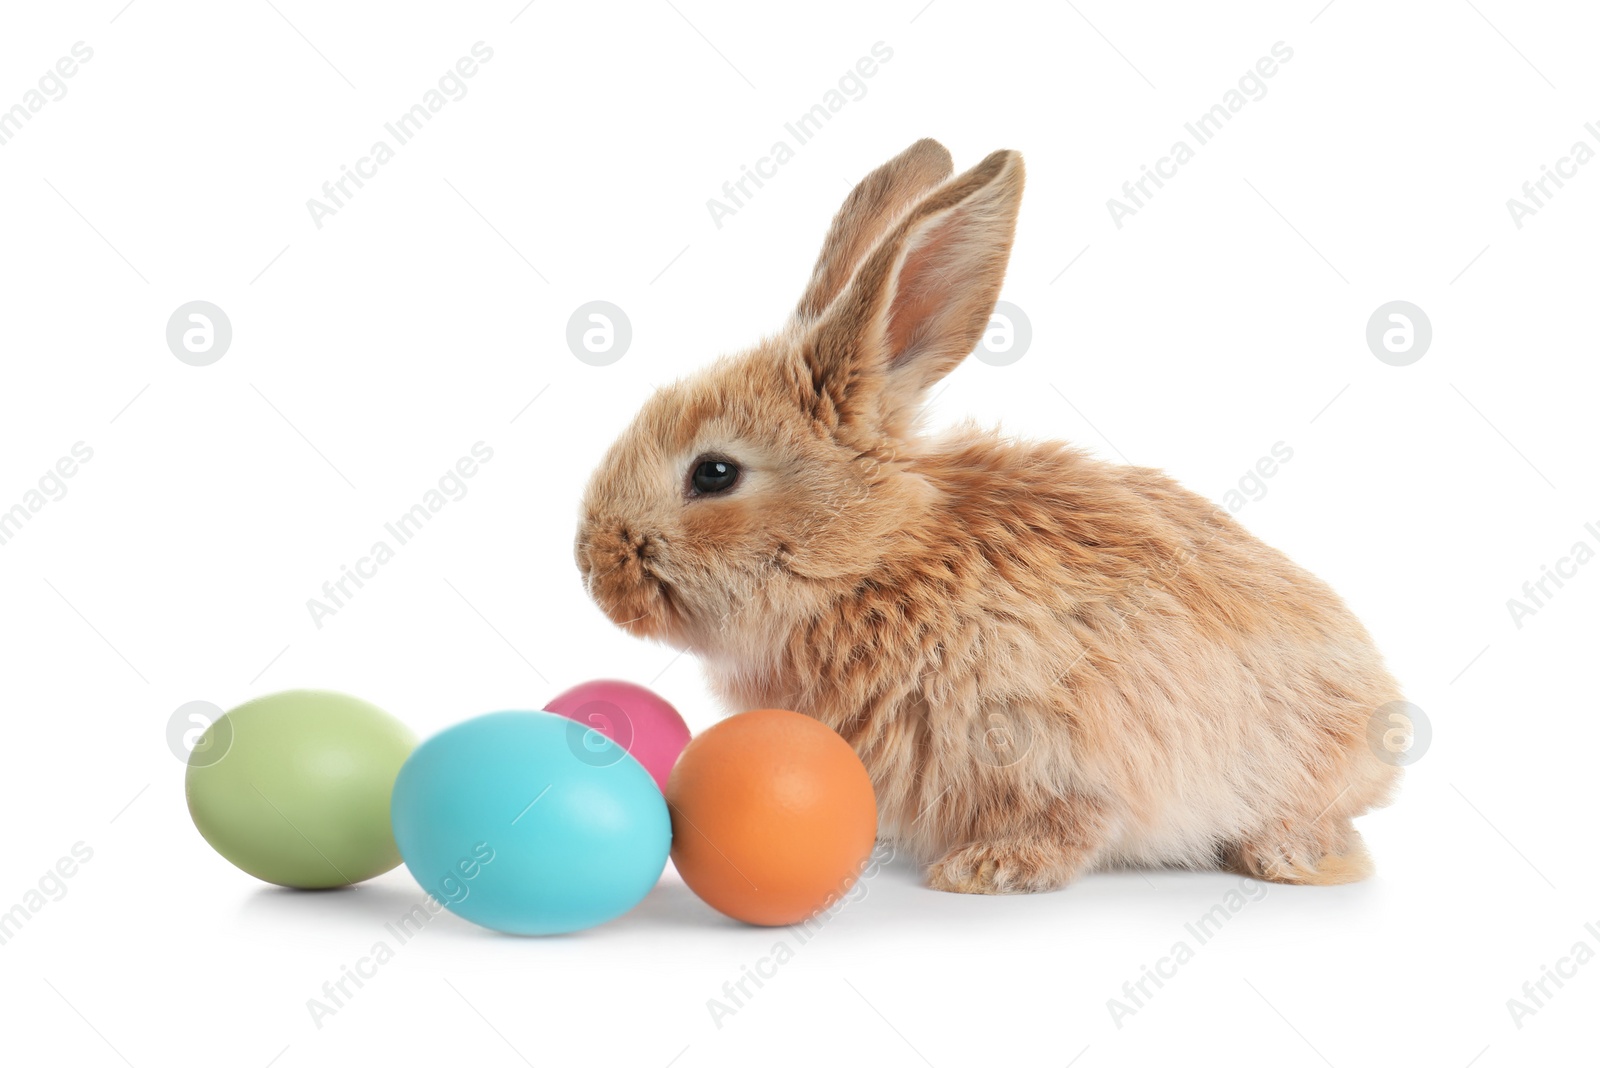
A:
[1226,316]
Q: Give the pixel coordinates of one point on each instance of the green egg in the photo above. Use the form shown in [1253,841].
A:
[294,787]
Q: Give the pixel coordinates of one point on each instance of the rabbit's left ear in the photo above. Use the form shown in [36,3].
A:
[877,203]
[922,300]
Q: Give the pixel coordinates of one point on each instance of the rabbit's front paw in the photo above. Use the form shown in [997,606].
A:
[1003,868]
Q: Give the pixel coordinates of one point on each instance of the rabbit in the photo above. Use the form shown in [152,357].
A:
[1048,664]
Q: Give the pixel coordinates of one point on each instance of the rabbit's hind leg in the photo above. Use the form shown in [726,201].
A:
[1323,856]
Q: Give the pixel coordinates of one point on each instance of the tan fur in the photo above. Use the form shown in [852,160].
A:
[1048,663]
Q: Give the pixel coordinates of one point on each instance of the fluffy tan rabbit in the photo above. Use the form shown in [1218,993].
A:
[1048,663]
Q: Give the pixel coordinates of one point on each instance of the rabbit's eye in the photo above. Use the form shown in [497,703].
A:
[713,476]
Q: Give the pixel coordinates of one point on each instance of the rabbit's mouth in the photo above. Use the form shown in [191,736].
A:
[635,596]
[663,599]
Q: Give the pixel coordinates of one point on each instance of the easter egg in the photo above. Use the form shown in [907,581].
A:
[773,816]
[294,787]
[509,823]
[637,719]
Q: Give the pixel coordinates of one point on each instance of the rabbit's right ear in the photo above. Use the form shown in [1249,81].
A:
[877,203]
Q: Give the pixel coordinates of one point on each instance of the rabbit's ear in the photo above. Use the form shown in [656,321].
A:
[921,301]
[875,205]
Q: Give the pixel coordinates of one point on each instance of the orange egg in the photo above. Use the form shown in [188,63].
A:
[773,816]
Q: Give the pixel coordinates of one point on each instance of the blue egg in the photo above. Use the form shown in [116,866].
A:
[530,823]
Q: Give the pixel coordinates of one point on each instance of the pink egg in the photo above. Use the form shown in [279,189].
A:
[637,719]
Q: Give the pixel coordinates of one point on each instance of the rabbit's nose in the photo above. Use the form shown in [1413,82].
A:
[604,547]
